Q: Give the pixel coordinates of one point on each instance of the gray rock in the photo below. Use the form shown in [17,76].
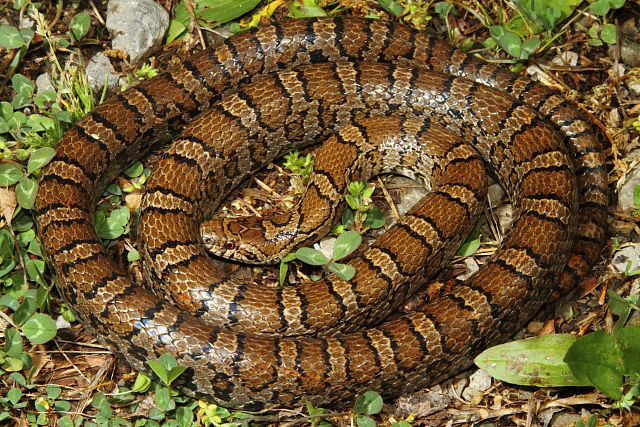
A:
[622,258]
[98,70]
[625,194]
[421,404]
[43,83]
[479,381]
[137,26]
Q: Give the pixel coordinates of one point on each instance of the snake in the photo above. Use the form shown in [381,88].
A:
[541,146]
[373,146]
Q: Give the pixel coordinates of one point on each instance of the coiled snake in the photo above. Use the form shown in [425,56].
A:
[560,197]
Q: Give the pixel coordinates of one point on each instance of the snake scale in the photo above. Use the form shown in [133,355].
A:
[560,196]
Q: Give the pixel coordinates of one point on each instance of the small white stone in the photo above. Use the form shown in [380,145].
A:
[137,26]
[625,255]
[43,83]
[98,70]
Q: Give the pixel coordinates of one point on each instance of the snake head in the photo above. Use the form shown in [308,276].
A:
[239,239]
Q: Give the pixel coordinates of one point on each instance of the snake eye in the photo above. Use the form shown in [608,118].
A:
[230,245]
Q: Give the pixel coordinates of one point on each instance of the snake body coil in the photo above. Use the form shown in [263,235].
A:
[560,196]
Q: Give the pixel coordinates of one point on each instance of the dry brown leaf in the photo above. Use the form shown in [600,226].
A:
[8,203]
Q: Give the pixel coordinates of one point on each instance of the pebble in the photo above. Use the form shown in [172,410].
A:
[137,26]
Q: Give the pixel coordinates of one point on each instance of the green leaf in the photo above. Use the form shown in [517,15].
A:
[368,403]
[357,188]
[600,7]
[609,34]
[176,30]
[115,224]
[375,218]
[43,98]
[26,309]
[10,37]
[40,123]
[620,307]
[18,118]
[142,383]
[364,421]
[40,158]
[65,421]
[40,328]
[35,249]
[12,342]
[534,361]
[305,9]
[469,248]
[311,256]
[163,399]
[507,40]
[346,243]
[392,6]
[221,11]
[9,301]
[62,406]
[26,192]
[546,13]
[594,359]
[348,217]
[53,391]
[636,195]
[184,416]
[20,380]
[282,271]
[6,244]
[135,170]
[628,340]
[22,85]
[529,47]
[343,271]
[25,237]
[35,270]
[175,372]
[133,255]
[160,370]
[101,403]
[9,174]
[79,25]
[14,395]
[6,110]
[352,201]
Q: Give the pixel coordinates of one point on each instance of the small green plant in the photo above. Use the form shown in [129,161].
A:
[636,198]
[346,243]
[306,9]
[208,14]
[605,32]
[47,405]
[360,215]
[472,244]
[591,422]
[629,271]
[519,35]
[369,403]
[314,413]
[145,72]
[300,167]
[615,245]
[608,361]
